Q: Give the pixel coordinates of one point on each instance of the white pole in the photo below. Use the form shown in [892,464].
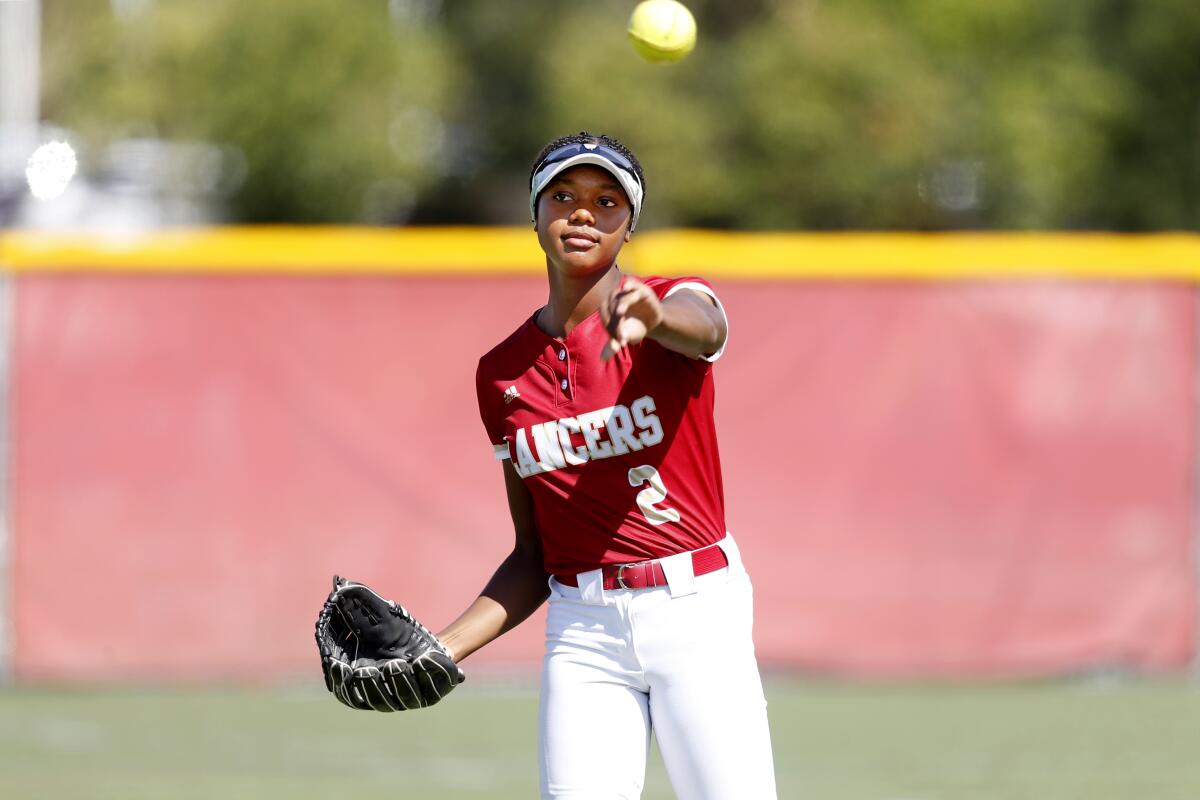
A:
[20,62]
[20,94]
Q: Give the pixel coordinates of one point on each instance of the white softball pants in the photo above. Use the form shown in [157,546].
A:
[678,661]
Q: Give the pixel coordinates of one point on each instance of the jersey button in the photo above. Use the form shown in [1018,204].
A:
[562,354]
[564,384]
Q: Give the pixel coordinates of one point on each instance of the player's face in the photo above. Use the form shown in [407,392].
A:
[583,219]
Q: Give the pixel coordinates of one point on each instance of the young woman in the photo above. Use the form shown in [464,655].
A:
[600,409]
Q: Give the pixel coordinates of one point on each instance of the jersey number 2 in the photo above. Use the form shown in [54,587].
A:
[656,492]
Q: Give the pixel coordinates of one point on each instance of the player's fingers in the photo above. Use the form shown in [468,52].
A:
[635,295]
[632,330]
[613,323]
[616,342]
[613,302]
[646,294]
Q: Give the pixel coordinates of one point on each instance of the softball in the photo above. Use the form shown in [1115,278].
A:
[662,30]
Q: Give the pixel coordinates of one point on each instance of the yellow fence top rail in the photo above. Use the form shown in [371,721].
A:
[509,251]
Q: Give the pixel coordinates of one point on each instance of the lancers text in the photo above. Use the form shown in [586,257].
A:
[577,440]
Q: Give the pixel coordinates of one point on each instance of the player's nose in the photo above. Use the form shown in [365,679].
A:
[581,216]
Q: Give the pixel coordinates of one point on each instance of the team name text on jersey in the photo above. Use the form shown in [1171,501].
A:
[553,445]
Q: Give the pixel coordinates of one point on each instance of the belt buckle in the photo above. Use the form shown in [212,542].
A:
[620,579]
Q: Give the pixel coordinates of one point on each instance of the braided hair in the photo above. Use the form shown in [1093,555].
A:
[587,137]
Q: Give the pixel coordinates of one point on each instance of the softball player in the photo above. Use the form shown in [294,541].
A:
[599,408]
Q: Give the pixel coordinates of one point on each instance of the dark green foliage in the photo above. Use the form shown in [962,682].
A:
[332,104]
[857,114]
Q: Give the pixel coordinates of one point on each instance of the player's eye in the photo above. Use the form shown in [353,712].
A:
[608,202]
[562,197]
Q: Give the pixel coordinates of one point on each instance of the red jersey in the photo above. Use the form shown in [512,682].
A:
[620,457]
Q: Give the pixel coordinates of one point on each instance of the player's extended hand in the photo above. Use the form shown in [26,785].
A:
[630,313]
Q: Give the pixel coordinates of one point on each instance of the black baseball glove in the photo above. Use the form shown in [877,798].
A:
[376,656]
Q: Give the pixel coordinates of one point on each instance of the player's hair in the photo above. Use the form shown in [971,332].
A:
[587,137]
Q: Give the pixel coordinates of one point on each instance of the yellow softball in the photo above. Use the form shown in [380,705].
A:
[662,30]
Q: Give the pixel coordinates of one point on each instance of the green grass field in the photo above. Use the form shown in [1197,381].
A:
[1049,741]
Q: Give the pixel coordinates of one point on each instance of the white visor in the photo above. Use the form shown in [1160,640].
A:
[628,181]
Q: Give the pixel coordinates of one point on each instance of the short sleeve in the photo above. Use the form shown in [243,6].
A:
[485,391]
[668,288]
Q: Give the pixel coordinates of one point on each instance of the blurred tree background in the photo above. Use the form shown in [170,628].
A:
[790,114]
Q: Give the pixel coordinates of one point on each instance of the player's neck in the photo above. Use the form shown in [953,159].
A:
[575,298]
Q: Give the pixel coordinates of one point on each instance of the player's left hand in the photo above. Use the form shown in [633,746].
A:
[630,313]
[375,656]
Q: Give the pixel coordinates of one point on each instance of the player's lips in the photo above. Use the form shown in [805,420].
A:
[581,240]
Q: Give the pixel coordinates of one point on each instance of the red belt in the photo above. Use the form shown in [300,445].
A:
[645,574]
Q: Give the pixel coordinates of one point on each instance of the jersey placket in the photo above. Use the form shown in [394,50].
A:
[558,359]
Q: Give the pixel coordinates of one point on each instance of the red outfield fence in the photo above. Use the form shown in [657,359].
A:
[975,478]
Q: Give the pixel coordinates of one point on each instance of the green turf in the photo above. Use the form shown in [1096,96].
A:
[1051,741]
